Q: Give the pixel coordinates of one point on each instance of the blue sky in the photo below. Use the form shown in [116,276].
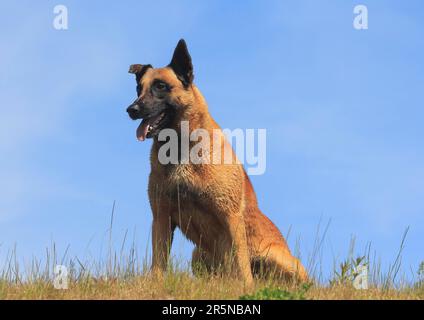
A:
[342,108]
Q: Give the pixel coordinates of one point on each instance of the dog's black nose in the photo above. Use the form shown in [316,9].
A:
[134,111]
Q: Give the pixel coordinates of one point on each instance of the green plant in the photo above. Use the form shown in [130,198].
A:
[278,294]
[348,271]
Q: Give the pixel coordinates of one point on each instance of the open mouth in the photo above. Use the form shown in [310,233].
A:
[150,127]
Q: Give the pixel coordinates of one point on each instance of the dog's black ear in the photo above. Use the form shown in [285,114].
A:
[139,70]
[181,63]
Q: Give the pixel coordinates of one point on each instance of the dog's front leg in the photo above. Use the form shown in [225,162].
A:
[239,248]
[162,234]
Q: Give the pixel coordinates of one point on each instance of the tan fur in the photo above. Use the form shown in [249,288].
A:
[214,205]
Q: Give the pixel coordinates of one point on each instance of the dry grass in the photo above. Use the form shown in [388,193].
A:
[182,285]
[124,278]
[124,275]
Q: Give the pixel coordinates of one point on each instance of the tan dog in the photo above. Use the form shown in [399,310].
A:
[214,205]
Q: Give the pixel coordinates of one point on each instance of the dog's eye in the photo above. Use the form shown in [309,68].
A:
[159,85]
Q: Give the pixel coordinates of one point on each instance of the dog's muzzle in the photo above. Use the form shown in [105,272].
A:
[134,111]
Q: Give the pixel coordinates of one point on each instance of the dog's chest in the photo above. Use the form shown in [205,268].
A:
[193,214]
[181,181]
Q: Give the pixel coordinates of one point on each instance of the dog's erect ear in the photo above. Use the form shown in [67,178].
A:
[181,63]
[139,70]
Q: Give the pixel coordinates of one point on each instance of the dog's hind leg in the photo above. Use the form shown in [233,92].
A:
[277,261]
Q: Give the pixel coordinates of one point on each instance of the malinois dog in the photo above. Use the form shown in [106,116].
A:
[214,205]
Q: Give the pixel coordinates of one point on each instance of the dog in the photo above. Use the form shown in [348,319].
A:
[214,205]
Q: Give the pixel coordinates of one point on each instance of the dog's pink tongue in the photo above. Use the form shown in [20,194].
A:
[142,130]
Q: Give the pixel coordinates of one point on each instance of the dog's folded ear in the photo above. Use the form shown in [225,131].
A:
[139,70]
[181,63]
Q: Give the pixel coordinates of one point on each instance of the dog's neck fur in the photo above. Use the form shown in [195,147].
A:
[197,115]
[197,112]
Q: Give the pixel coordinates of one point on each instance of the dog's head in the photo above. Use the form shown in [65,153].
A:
[162,93]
